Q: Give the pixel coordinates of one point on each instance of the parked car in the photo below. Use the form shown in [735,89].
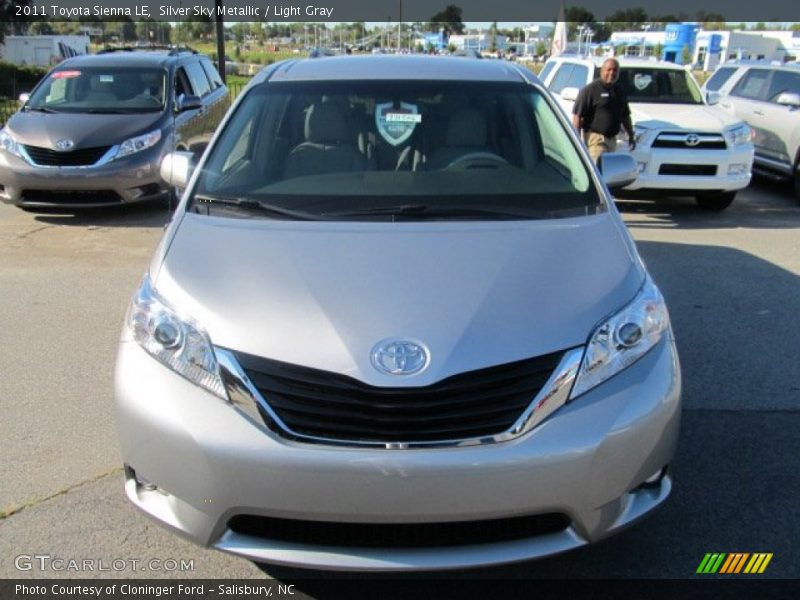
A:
[767,98]
[397,323]
[93,132]
[684,146]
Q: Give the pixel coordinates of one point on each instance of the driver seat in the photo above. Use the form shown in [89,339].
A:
[466,133]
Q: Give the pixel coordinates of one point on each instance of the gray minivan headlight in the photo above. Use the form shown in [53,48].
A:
[138,143]
[8,143]
[623,338]
[178,342]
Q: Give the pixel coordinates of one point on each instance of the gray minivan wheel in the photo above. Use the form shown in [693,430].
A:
[719,201]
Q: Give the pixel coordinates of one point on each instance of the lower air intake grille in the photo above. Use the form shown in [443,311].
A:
[691,170]
[71,197]
[331,406]
[398,535]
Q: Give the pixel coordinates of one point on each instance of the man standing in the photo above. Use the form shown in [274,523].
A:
[601,110]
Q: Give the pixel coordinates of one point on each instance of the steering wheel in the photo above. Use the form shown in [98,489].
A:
[477,160]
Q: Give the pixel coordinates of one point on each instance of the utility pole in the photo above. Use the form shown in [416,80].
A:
[220,40]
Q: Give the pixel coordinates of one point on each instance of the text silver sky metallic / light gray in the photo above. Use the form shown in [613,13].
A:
[351,352]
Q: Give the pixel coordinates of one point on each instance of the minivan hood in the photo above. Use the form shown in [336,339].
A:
[695,117]
[85,130]
[322,294]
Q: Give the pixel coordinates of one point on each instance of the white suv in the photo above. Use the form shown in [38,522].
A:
[683,145]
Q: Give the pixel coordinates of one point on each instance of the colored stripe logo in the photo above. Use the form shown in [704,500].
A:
[734,563]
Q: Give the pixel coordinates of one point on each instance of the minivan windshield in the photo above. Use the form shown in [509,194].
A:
[394,150]
[101,90]
[666,86]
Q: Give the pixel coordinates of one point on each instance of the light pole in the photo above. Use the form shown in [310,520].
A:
[581,29]
[646,28]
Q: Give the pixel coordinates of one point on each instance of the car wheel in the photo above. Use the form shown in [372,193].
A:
[719,201]
[797,183]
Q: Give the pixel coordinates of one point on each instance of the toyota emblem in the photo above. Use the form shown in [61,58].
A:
[64,145]
[400,357]
[692,139]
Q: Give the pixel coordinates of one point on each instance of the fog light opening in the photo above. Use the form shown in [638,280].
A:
[654,480]
[642,166]
[141,482]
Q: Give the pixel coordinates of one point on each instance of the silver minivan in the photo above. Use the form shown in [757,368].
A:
[397,324]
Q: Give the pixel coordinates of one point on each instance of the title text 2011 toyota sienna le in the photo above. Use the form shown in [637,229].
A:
[397,323]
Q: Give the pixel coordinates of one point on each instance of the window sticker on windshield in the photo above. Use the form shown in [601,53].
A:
[642,80]
[396,121]
[106,79]
[65,74]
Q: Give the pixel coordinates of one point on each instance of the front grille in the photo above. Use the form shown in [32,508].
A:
[705,141]
[336,407]
[71,196]
[692,170]
[83,157]
[398,535]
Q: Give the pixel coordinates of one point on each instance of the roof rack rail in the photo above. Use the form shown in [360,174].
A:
[173,50]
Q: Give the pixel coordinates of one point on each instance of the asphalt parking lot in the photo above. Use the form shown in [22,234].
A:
[732,283]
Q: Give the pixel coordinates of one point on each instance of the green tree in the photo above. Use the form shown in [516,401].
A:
[627,19]
[686,55]
[540,49]
[40,28]
[577,16]
[493,37]
[658,51]
[760,26]
[449,19]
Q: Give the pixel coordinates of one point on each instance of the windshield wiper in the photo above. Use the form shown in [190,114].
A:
[250,205]
[43,109]
[423,211]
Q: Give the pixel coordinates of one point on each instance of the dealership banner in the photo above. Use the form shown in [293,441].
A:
[383,11]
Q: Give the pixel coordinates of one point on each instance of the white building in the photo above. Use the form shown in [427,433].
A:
[482,42]
[42,50]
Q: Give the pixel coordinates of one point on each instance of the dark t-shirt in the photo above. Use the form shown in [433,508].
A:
[602,109]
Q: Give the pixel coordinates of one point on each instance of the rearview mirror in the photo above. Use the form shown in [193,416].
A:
[23,98]
[176,168]
[618,169]
[569,93]
[789,99]
[713,97]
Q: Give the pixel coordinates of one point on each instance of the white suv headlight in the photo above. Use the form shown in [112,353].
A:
[623,338]
[138,143]
[8,143]
[741,135]
[178,342]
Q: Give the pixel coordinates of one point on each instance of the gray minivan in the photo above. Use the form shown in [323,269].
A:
[397,323]
[93,132]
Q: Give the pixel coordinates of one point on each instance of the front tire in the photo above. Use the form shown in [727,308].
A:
[715,202]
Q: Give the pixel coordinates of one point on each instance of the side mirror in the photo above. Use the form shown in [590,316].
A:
[570,94]
[189,103]
[713,97]
[23,98]
[176,168]
[618,169]
[789,99]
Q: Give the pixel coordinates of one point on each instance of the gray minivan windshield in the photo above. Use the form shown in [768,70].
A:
[101,90]
[387,150]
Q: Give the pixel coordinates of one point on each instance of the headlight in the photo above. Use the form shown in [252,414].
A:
[178,342]
[623,338]
[139,143]
[741,135]
[8,143]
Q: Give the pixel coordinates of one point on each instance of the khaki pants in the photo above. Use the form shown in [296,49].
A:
[597,144]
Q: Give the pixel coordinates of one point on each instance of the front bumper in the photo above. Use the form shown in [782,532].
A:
[733,169]
[198,463]
[134,178]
